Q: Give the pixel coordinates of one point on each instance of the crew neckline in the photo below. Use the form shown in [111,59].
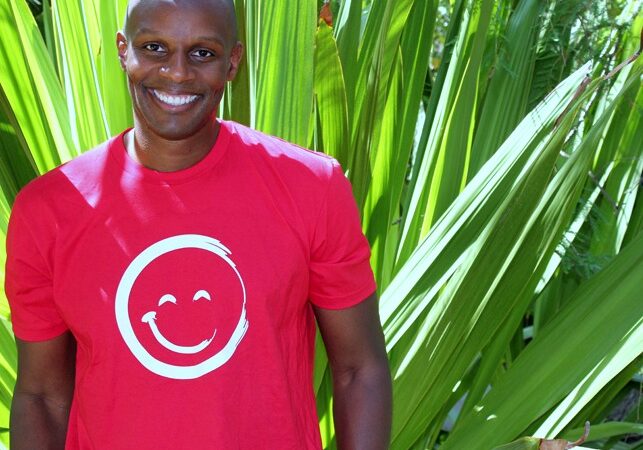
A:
[129,165]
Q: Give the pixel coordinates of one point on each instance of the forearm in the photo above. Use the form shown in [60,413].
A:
[38,422]
[362,408]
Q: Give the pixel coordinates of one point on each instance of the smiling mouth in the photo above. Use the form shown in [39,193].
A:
[150,319]
[173,99]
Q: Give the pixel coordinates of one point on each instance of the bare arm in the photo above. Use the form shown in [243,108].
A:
[43,393]
[361,378]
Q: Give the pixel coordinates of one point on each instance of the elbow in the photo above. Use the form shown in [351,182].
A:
[374,375]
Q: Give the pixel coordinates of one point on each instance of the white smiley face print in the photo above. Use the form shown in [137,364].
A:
[181,306]
[150,319]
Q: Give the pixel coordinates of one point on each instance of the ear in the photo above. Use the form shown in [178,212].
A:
[235,60]
[121,44]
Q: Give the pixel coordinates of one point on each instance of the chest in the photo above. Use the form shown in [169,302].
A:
[181,275]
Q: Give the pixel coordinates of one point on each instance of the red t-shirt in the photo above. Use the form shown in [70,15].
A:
[189,293]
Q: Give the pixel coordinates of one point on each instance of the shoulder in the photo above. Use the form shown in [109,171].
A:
[72,179]
[289,159]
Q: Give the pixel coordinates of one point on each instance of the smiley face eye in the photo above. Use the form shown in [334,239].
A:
[202,294]
[167,298]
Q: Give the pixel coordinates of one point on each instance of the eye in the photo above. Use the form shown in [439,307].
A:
[167,298]
[201,294]
[153,47]
[203,53]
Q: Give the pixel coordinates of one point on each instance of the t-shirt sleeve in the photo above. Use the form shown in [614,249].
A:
[340,271]
[28,283]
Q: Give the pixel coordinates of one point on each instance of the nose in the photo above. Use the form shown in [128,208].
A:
[177,69]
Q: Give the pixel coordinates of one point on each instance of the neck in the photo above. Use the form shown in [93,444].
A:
[164,155]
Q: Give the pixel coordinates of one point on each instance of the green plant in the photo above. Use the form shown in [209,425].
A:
[476,167]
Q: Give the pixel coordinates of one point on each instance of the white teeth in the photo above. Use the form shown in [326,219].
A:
[174,100]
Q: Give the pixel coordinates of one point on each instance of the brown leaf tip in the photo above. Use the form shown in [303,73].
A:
[581,439]
[326,14]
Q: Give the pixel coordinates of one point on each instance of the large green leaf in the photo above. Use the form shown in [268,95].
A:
[602,406]
[571,360]
[557,203]
[376,64]
[440,175]
[611,221]
[284,96]
[114,94]
[381,209]
[30,93]
[347,30]
[4,305]
[237,100]
[606,430]
[8,361]
[330,94]
[76,26]
[507,95]
[436,302]
[16,168]
[619,192]
[548,301]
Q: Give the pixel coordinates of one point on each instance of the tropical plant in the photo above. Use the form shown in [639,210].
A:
[497,175]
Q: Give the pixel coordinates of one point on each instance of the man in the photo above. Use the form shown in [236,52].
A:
[164,286]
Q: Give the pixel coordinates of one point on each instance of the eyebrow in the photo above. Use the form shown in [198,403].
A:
[145,30]
[210,39]
[214,39]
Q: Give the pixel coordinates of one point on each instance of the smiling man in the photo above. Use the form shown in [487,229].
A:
[165,285]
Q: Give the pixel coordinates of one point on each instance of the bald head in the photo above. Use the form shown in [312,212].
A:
[218,7]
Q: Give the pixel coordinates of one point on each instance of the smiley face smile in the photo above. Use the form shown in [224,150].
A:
[150,319]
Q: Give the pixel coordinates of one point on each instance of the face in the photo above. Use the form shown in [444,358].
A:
[178,56]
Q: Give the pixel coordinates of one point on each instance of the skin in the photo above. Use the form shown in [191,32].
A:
[43,393]
[161,54]
[197,55]
[362,399]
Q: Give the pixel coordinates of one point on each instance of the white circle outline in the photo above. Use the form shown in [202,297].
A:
[130,276]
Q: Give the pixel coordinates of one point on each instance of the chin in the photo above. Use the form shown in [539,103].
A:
[179,131]
[174,134]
